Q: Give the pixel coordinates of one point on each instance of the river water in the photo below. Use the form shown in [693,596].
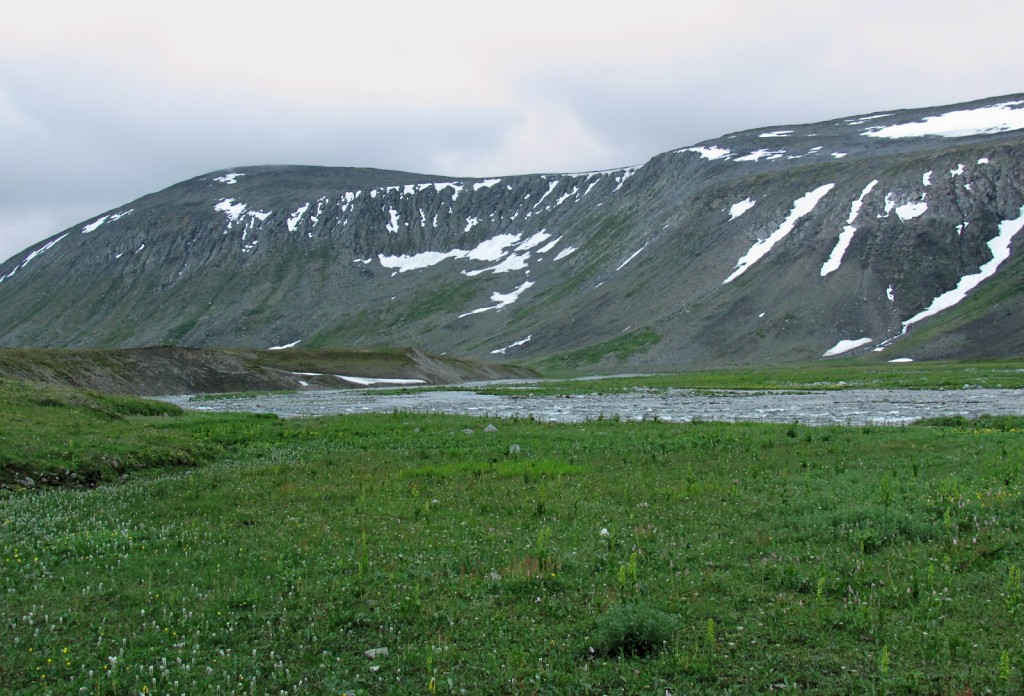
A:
[846,407]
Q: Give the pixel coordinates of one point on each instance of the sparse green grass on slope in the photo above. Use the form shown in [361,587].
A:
[620,347]
[602,557]
[50,433]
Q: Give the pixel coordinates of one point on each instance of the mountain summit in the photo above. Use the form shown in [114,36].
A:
[889,234]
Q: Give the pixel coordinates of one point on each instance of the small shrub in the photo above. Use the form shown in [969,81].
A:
[632,630]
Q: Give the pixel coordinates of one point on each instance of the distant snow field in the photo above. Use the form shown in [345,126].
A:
[958,124]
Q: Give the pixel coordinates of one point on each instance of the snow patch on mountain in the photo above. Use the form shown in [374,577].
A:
[801,207]
[455,187]
[514,262]
[295,218]
[230,208]
[846,346]
[758,155]
[909,211]
[633,256]
[493,249]
[503,299]
[392,225]
[231,178]
[566,196]
[997,118]
[320,204]
[93,226]
[547,247]
[860,120]
[502,351]
[41,250]
[373,381]
[1000,248]
[551,187]
[113,217]
[835,259]
[709,153]
[626,173]
[534,240]
[743,206]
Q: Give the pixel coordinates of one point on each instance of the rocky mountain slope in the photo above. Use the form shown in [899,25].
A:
[890,235]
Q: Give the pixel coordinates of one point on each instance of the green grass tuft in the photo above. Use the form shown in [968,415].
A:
[630,630]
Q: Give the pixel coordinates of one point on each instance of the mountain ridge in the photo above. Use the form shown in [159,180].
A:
[766,245]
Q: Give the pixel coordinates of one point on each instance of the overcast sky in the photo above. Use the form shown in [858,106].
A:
[106,100]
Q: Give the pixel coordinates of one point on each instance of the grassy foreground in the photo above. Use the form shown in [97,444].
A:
[602,557]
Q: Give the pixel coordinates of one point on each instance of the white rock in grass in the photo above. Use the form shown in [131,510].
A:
[374,653]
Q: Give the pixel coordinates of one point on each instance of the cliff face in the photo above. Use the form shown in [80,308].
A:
[887,231]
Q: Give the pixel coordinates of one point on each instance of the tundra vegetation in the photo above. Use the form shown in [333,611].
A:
[148,550]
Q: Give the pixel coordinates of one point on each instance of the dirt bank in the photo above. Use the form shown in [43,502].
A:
[173,370]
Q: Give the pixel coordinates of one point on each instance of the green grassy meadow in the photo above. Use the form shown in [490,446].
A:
[215,553]
[816,376]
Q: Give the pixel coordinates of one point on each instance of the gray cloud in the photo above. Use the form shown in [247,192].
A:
[102,104]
